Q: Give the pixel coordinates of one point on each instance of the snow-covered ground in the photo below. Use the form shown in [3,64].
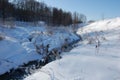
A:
[97,57]
[19,43]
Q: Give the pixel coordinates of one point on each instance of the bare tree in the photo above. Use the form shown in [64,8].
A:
[98,43]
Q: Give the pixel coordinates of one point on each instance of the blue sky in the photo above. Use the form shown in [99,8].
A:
[93,9]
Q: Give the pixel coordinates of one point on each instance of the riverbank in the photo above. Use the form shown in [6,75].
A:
[96,57]
[32,46]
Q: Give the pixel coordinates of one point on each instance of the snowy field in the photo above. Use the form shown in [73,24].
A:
[18,45]
[97,57]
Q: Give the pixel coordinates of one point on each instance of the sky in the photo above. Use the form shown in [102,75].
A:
[93,9]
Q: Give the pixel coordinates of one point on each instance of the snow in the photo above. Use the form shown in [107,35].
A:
[101,26]
[19,45]
[12,54]
[86,61]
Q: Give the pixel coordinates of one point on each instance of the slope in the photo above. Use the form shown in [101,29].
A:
[97,57]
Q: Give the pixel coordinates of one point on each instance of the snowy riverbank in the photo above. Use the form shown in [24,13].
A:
[23,44]
[97,57]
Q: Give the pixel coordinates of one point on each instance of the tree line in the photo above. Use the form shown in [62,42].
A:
[33,11]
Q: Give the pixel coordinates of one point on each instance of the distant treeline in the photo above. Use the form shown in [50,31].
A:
[33,11]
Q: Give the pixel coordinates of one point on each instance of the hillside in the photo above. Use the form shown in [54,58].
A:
[26,42]
[97,57]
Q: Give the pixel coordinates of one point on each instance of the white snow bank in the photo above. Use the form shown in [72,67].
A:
[19,45]
[86,62]
[83,63]
[12,55]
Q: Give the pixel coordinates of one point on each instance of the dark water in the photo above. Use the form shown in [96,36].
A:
[22,71]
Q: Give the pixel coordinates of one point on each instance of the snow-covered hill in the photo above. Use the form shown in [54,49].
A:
[97,57]
[18,45]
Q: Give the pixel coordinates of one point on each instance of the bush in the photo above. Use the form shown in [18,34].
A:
[10,22]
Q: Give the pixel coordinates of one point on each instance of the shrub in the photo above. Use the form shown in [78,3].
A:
[10,22]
